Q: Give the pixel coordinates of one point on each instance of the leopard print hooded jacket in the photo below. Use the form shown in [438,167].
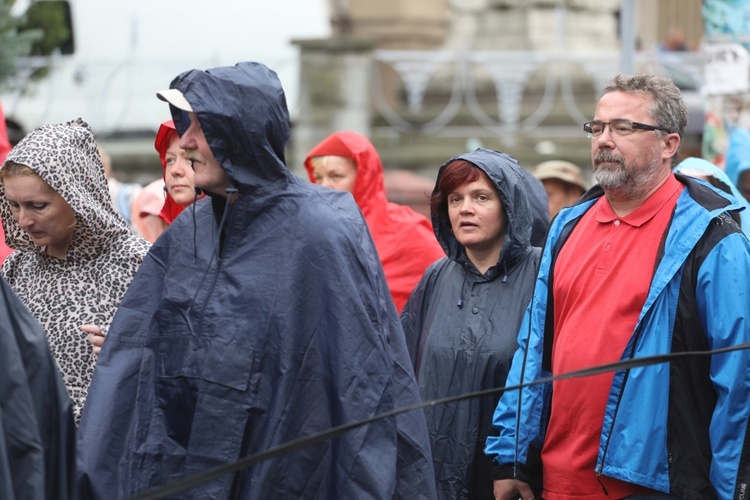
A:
[89,283]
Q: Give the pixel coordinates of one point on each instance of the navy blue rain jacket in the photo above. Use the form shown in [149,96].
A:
[241,335]
[37,434]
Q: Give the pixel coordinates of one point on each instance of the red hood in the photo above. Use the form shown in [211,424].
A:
[171,208]
[404,239]
[369,189]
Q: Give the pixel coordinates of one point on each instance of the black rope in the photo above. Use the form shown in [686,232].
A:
[318,437]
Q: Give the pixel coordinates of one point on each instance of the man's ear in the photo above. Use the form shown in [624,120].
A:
[672,144]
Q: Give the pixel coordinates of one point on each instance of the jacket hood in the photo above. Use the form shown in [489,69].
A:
[538,200]
[508,178]
[171,208]
[708,168]
[243,113]
[66,157]
[369,188]
[738,154]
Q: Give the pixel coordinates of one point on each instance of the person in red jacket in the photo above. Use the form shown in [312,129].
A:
[404,239]
[5,148]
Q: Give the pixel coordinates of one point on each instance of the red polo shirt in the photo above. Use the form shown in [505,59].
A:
[601,280]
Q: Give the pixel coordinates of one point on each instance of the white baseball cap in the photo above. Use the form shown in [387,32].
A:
[175,98]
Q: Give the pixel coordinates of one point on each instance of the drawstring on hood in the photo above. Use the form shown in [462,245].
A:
[248,146]
[218,245]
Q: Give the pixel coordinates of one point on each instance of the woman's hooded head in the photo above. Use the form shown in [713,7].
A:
[164,137]
[66,157]
[508,179]
[369,188]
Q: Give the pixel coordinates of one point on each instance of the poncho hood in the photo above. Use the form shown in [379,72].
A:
[509,179]
[404,238]
[369,188]
[249,145]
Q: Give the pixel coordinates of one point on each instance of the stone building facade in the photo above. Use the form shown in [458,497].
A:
[429,79]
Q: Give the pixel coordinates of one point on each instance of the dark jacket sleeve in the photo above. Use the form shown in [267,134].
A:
[37,458]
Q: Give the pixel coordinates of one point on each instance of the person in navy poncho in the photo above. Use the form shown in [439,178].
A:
[261,318]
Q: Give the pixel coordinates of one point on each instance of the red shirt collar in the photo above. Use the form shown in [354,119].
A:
[604,213]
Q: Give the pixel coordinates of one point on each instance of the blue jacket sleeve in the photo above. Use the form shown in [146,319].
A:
[722,295]
[519,417]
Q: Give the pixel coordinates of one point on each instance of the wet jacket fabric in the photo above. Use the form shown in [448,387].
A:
[240,336]
[700,165]
[458,349]
[88,284]
[539,208]
[37,436]
[404,239]
[678,427]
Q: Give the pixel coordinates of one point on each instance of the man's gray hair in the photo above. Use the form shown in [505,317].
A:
[667,108]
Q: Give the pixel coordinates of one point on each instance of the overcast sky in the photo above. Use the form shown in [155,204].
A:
[278,22]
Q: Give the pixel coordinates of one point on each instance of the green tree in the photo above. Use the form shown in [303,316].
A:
[52,19]
[14,42]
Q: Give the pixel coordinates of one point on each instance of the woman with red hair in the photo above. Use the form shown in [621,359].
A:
[462,320]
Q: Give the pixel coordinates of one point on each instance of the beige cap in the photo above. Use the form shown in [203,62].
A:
[175,98]
[560,169]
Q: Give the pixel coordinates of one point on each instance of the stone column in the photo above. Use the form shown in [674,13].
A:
[334,92]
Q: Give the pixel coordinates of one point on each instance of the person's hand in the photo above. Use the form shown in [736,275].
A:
[95,336]
[512,489]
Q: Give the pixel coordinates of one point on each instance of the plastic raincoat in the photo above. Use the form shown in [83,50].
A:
[404,239]
[461,330]
[37,440]
[254,324]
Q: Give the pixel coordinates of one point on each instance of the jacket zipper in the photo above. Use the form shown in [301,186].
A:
[600,465]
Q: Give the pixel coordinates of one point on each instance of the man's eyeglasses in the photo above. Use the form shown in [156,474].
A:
[617,127]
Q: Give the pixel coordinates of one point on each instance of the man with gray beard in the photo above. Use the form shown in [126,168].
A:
[646,263]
